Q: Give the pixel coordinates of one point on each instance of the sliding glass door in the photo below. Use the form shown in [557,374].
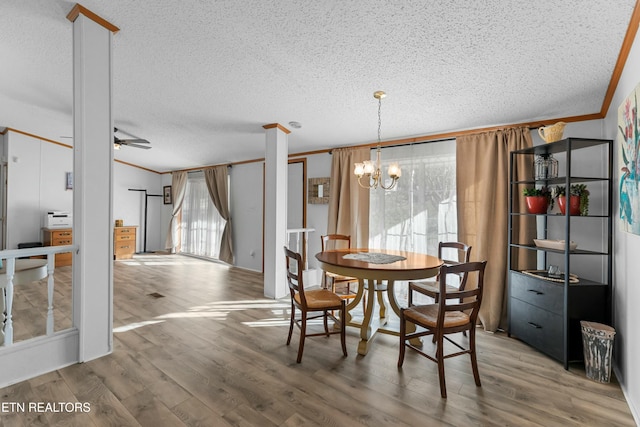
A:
[421,210]
[201,224]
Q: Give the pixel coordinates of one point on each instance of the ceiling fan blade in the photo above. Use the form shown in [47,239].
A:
[134,141]
[144,147]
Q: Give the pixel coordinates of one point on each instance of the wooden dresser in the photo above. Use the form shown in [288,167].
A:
[124,242]
[59,237]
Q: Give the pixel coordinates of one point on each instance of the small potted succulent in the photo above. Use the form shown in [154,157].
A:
[578,200]
[538,199]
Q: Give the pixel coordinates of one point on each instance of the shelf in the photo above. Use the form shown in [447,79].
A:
[560,180]
[558,306]
[558,215]
[556,251]
[562,146]
[581,281]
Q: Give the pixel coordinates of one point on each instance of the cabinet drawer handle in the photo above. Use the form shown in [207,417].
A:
[535,292]
[533,325]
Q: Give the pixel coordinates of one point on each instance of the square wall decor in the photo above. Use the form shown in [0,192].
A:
[318,191]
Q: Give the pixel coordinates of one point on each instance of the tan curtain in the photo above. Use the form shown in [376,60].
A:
[217,179]
[178,190]
[482,163]
[348,202]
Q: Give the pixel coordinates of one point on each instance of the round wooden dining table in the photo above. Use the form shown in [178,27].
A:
[376,270]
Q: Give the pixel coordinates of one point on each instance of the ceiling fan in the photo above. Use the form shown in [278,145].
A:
[134,142]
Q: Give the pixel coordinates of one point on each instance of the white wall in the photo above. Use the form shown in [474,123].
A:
[3,201]
[626,249]
[129,205]
[318,166]
[246,214]
[35,184]
[295,195]
[36,173]
[246,210]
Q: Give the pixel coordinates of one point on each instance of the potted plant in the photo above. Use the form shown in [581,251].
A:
[578,200]
[537,199]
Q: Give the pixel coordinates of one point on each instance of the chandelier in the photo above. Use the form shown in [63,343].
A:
[371,171]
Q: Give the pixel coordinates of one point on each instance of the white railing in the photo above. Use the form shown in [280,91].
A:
[299,232]
[311,278]
[31,273]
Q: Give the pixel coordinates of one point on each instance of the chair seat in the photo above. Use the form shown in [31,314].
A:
[320,299]
[339,278]
[427,315]
[431,288]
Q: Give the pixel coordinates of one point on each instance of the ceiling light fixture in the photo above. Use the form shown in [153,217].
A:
[374,172]
[295,125]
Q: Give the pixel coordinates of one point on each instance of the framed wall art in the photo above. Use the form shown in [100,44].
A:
[166,195]
[628,173]
[318,191]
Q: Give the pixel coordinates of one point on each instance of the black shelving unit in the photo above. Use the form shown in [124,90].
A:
[546,314]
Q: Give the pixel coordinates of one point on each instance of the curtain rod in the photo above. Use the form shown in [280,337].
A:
[206,167]
[404,145]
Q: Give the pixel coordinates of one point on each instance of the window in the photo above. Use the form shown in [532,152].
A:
[201,225]
[421,210]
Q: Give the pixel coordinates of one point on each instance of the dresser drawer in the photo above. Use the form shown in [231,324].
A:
[119,231]
[61,234]
[59,237]
[120,237]
[537,327]
[540,293]
[124,242]
[124,246]
[62,241]
[125,251]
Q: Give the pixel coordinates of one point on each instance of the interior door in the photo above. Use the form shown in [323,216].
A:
[297,201]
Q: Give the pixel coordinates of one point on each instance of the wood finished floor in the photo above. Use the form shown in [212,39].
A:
[212,352]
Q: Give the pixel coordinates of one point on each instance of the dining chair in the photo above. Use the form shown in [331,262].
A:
[313,304]
[446,317]
[430,288]
[331,280]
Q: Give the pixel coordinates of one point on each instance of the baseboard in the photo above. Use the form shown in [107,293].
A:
[634,411]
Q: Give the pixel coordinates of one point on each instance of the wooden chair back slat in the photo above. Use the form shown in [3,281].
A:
[467,300]
[335,241]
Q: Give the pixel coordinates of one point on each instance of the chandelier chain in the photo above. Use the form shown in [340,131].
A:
[369,169]
[379,118]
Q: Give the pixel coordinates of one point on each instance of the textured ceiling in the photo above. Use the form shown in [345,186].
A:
[199,78]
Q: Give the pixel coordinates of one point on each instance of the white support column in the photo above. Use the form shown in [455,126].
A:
[92,198]
[275,212]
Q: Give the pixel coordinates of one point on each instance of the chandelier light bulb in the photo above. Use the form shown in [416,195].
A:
[368,167]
